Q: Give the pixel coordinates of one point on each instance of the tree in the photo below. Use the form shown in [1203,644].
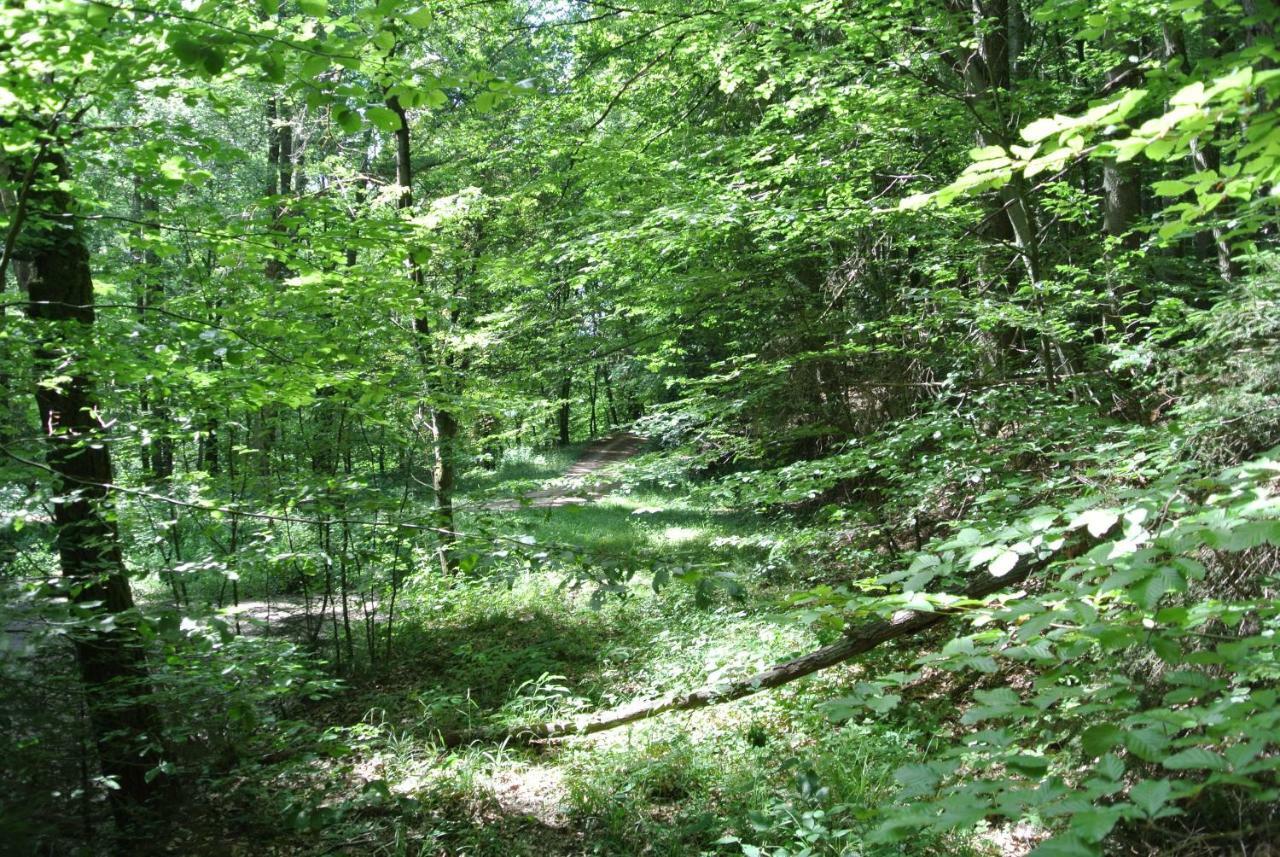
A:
[108,648]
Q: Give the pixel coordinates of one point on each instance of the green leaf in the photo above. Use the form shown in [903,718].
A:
[1147,744]
[1170,188]
[917,780]
[420,17]
[1151,795]
[1066,845]
[1034,766]
[188,51]
[173,168]
[1042,128]
[1098,739]
[348,120]
[1158,150]
[314,8]
[1097,521]
[273,67]
[883,703]
[384,118]
[1196,759]
[915,201]
[1163,579]
[984,555]
[214,61]
[1093,825]
[315,65]
[1004,563]
[987,153]
[1109,767]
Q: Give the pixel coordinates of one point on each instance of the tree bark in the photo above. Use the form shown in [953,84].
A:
[1121,201]
[563,412]
[1204,156]
[266,423]
[1121,190]
[157,455]
[444,427]
[611,411]
[110,655]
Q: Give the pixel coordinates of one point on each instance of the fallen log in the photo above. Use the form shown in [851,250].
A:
[857,640]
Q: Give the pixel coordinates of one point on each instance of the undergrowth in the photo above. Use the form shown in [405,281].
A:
[772,774]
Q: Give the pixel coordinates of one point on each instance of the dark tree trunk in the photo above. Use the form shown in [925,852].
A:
[1121,190]
[209,461]
[111,660]
[591,394]
[157,455]
[611,412]
[1206,157]
[1121,207]
[563,412]
[1122,202]
[444,426]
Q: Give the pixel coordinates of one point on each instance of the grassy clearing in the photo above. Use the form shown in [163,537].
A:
[519,469]
[766,775]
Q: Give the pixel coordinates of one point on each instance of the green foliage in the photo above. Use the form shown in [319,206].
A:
[904,295]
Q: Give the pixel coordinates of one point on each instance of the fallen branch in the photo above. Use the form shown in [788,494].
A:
[856,641]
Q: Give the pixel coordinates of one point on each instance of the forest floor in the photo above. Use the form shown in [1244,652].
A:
[576,485]
[365,773]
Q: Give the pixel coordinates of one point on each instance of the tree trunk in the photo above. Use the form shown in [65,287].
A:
[987,87]
[611,411]
[444,427]
[1121,202]
[279,184]
[1205,156]
[1207,159]
[10,205]
[112,661]
[1121,207]
[563,410]
[207,456]
[157,455]
[591,395]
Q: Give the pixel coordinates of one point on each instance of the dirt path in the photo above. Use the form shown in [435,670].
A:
[571,489]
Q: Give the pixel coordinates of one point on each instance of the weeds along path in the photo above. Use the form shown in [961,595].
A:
[289,615]
[573,487]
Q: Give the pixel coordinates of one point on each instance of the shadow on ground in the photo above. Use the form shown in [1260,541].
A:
[518,660]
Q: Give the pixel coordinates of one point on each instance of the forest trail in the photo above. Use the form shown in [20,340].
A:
[570,489]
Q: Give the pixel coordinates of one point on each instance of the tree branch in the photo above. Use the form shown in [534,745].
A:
[856,641]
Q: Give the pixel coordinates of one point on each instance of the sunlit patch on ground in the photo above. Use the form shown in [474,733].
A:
[537,791]
[678,535]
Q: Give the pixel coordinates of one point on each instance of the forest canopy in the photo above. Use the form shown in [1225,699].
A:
[407,410]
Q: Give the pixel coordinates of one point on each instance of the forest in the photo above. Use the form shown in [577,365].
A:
[774,428]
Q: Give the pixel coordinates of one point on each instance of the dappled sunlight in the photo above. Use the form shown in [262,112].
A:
[750,428]
[680,535]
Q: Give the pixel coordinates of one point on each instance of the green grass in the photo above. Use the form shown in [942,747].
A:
[522,640]
[520,468]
